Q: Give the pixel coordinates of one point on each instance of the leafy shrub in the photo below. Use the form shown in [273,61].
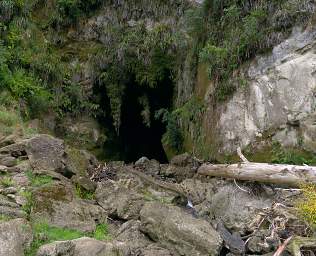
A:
[173,136]
[291,156]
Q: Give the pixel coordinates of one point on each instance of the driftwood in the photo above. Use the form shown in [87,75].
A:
[299,244]
[285,175]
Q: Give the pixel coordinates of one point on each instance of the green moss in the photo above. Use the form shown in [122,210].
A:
[77,159]
[307,205]
[44,234]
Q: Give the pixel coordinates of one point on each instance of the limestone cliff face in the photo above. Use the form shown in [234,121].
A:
[278,102]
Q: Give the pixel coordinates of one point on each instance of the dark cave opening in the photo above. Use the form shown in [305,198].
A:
[135,139]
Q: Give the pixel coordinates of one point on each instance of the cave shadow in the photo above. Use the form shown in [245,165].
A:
[135,139]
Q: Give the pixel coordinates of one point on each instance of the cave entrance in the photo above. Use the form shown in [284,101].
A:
[136,139]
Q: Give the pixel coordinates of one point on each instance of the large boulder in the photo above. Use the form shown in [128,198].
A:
[237,208]
[15,237]
[8,208]
[79,247]
[179,231]
[118,200]
[46,153]
[57,204]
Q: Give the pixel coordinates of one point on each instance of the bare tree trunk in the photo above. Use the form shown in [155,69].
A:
[281,174]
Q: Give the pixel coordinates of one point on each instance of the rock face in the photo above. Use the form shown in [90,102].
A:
[277,103]
[280,96]
[179,230]
[15,236]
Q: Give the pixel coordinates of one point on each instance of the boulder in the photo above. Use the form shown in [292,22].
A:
[179,173]
[8,161]
[8,208]
[118,200]
[237,208]
[59,248]
[46,153]
[58,205]
[182,160]
[130,241]
[79,247]
[150,167]
[15,237]
[308,131]
[84,182]
[179,231]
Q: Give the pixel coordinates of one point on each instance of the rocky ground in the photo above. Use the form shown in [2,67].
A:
[146,208]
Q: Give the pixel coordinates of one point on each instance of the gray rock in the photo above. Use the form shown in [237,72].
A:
[79,247]
[10,209]
[308,131]
[142,161]
[59,248]
[280,93]
[179,173]
[9,190]
[58,205]
[8,161]
[84,182]
[20,167]
[236,208]
[118,200]
[182,160]
[179,231]
[46,153]
[15,236]
[150,167]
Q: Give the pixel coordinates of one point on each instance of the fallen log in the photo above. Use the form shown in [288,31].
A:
[286,175]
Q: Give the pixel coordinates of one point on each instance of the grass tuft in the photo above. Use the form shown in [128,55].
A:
[44,234]
[38,180]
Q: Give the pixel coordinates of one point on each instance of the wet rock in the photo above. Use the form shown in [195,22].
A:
[8,161]
[15,236]
[118,200]
[179,231]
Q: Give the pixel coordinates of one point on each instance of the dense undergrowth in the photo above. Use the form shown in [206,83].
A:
[233,31]
[39,60]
